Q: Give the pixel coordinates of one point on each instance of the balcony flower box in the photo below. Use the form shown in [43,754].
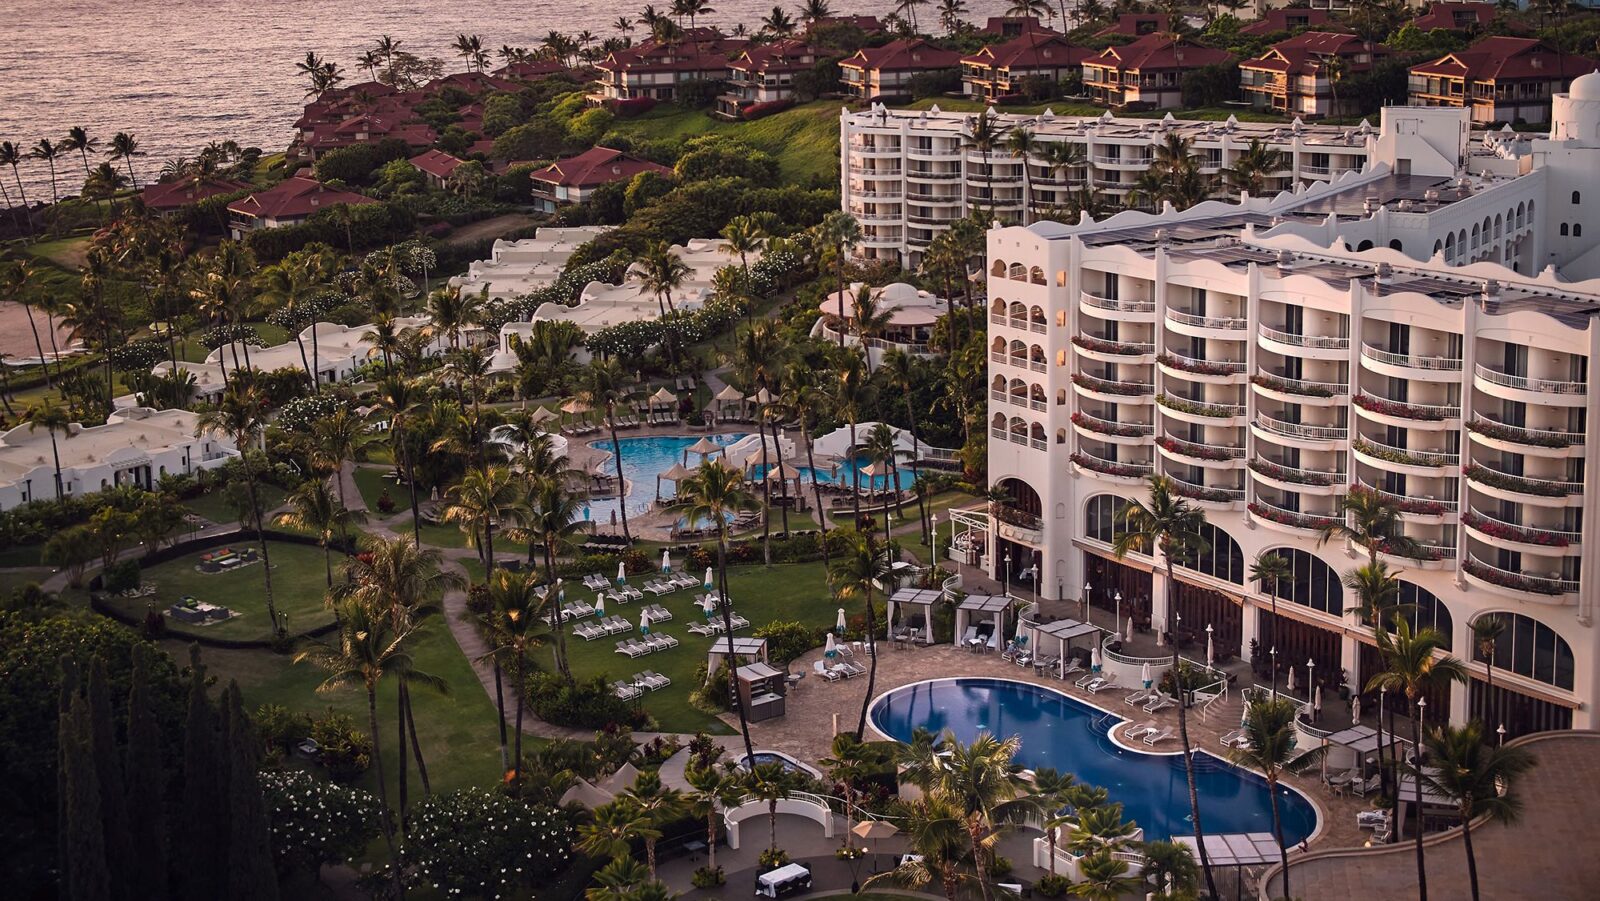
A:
[1103,346]
[1103,386]
[1396,409]
[1510,580]
[1284,474]
[1195,408]
[1109,428]
[1395,455]
[1214,495]
[1198,367]
[1502,432]
[1510,532]
[1415,552]
[1110,469]
[1286,386]
[1197,451]
[1408,505]
[1296,520]
[1485,476]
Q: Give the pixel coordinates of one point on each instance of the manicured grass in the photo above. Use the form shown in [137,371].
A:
[372,482]
[192,351]
[67,253]
[21,555]
[214,505]
[790,592]
[805,139]
[299,586]
[12,579]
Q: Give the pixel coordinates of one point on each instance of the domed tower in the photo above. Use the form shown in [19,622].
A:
[1575,115]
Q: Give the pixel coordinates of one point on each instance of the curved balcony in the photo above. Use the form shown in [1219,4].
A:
[1108,351]
[1217,372]
[1290,478]
[1128,473]
[1133,162]
[1423,555]
[1299,391]
[1523,489]
[994,203]
[1529,390]
[1291,521]
[866,171]
[1226,328]
[869,218]
[1125,310]
[929,153]
[1310,347]
[1388,458]
[882,241]
[932,175]
[1206,495]
[1091,426]
[1218,456]
[1406,415]
[1296,434]
[1409,366]
[1496,532]
[1200,412]
[1538,589]
[1111,391]
[1517,439]
[937,199]
[1416,508]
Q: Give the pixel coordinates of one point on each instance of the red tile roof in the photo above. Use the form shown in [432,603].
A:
[1133,25]
[1276,20]
[436,163]
[181,192]
[530,70]
[914,54]
[1501,58]
[597,166]
[1015,25]
[474,83]
[1029,52]
[698,50]
[1157,51]
[1304,54]
[1453,16]
[294,198]
[785,55]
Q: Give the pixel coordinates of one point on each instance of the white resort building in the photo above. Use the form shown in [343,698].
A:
[911,315]
[136,446]
[515,268]
[1272,357]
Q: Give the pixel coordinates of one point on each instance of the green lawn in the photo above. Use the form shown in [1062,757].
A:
[298,587]
[805,139]
[214,505]
[789,592]
[21,555]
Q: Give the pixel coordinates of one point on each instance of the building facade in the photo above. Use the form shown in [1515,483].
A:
[1500,79]
[1296,76]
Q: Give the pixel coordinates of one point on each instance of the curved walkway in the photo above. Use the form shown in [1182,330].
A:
[1548,854]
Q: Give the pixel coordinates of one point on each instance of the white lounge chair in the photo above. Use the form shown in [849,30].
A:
[1133,733]
[1237,739]
[701,629]
[1159,703]
[1138,697]
[825,672]
[654,680]
[632,648]
[625,691]
[1086,678]
[1073,666]
[1106,681]
[1165,733]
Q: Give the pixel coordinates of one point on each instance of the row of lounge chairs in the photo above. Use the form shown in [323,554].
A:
[611,625]
[622,594]
[843,669]
[1149,732]
[584,427]
[596,582]
[577,610]
[670,582]
[657,613]
[648,644]
[649,680]
[742,521]
[1094,683]
[714,626]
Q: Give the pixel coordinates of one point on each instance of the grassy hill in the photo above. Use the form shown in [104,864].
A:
[804,139]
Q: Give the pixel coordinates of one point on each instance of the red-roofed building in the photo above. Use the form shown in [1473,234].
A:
[999,70]
[1135,25]
[654,70]
[1456,17]
[291,201]
[761,77]
[887,71]
[1148,73]
[1274,21]
[474,83]
[1292,76]
[437,165]
[868,24]
[1015,26]
[1500,79]
[168,197]
[573,180]
[529,70]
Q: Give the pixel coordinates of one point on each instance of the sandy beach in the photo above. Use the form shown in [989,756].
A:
[16,338]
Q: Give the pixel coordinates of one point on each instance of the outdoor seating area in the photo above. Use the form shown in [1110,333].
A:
[649,680]
[647,644]
[225,559]
[910,610]
[715,625]
[611,625]
[196,612]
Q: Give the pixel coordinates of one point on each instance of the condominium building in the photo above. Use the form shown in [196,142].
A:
[1269,371]
[1297,76]
[1500,79]
[907,174]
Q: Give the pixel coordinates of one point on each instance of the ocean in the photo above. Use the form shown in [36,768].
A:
[179,74]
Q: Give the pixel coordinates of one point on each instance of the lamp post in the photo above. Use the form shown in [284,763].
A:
[1085,603]
[1311,679]
[1274,653]
[1501,731]
[1007,560]
[1116,624]
[1209,647]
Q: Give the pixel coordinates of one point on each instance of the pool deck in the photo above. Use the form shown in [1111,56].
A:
[808,728]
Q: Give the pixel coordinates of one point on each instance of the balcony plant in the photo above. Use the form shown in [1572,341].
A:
[1195,408]
[1286,386]
[1198,367]
[1384,407]
[1284,474]
[1409,505]
[1508,532]
[1506,482]
[1295,520]
[1106,467]
[1502,432]
[1415,552]
[1105,346]
[1104,427]
[1396,455]
[1197,451]
[1106,386]
[1512,581]
[1201,493]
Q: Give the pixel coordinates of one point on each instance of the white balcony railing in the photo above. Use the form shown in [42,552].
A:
[1544,386]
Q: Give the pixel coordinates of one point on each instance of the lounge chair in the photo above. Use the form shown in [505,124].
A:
[659,588]
[1159,703]
[1047,663]
[660,641]
[625,691]
[1372,819]
[632,648]
[825,672]
[701,629]
[1237,739]
[1133,733]
[1073,666]
[684,580]
[630,593]
[740,622]
[1101,684]
[617,597]
[588,631]
[1086,678]
[1138,697]
[1165,733]
[654,680]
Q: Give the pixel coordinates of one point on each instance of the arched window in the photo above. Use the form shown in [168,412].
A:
[1036,432]
[1020,494]
[1563,229]
[1577,229]
[1521,212]
[1019,310]
[1061,436]
[1018,350]
[999,346]
[998,270]
[1530,648]
[998,385]
[1061,397]
[1422,609]
[1036,276]
[1437,246]
[1364,245]
[1221,558]
[999,423]
[1017,272]
[1101,518]
[1019,428]
[1575,199]
[1036,315]
[1499,222]
[1313,584]
[998,308]
[1396,245]
[1019,389]
[1037,395]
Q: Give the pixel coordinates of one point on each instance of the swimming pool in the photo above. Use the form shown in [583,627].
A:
[1063,732]
[903,477]
[642,460]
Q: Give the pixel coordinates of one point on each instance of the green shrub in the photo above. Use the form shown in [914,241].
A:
[786,641]
[1052,885]
[344,750]
[706,877]
[581,704]
[123,576]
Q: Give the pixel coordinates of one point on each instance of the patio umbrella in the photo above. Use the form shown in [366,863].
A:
[1355,708]
[644,623]
[1094,659]
[666,560]
[542,415]
[728,393]
[1290,681]
[1211,652]
[1316,703]
[830,650]
[708,583]
[622,572]
[1144,673]
[839,623]
[599,606]
[871,831]
[575,406]
[704,447]
[710,606]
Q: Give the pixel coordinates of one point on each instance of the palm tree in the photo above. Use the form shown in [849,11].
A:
[769,783]
[1258,162]
[803,402]
[840,232]
[881,451]
[1376,590]
[847,762]
[984,136]
[1477,777]
[387,48]
[402,404]
[1169,863]
[1168,524]
[47,152]
[1051,787]
[51,418]
[937,834]
[12,155]
[1105,878]
[1270,732]
[1412,666]
[1486,632]
[950,13]
[1024,10]
[614,829]
[761,352]
[852,394]
[553,522]
[619,880]
[516,624]
[855,573]
[605,385]
[125,147]
[240,414]
[340,436]
[481,499]
[468,47]
[983,784]
[315,509]
[778,23]
[714,494]
[714,791]
[742,237]
[1269,570]
[13,284]
[78,139]
[900,370]
[294,284]
[659,805]
[1374,522]
[450,312]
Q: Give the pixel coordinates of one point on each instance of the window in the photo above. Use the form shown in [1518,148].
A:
[1530,648]
[1422,609]
[1563,229]
[1221,557]
[1577,229]
[1313,584]
[1101,519]
[1575,199]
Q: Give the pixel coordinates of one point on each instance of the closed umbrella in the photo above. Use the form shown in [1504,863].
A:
[839,623]
[644,623]
[666,560]
[1316,704]
[830,650]
[710,606]
[1129,632]
[1355,709]
[1094,659]
[708,583]
[1211,651]
[622,572]
[1144,673]
[1290,681]
[600,606]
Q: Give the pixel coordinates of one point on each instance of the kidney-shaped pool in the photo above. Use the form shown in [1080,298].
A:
[1065,733]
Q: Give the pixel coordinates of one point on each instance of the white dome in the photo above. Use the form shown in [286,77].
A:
[1585,87]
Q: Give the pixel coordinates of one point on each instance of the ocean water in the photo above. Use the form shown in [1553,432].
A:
[179,74]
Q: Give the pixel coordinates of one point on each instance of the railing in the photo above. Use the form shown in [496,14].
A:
[1406,410]
[1116,304]
[1272,334]
[998,356]
[1410,361]
[932,175]
[1222,322]
[1428,552]
[1117,429]
[874,171]
[1206,492]
[1120,468]
[1517,581]
[997,318]
[1509,531]
[1215,453]
[1106,386]
[1295,519]
[1300,430]
[919,197]
[879,195]
[998,432]
[1121,161]
[1038,365]
[1201,367]
[1099,345]
[1273,381]
[1505,481]
[1039,443]
[1019,437]
[998,395]
[1545,386]
[1315,478]
[877,217]
[1200,408]
[1315,170]
[1421,506]
[1492,428]
[1403,455]
[1038,405]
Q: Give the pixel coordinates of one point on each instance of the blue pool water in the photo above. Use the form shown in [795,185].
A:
[904,478]
[642,460]
[1071,736]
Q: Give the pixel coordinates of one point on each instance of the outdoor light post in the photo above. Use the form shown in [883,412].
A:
[1085,604]
[1118,621]
[1502,733]
[1311,679]
[1007,561]
[1274,653]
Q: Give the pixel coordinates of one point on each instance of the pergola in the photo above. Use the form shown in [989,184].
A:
[663,400]
[921,598]
[1237,850]
[744,648]
[977,609]
[676,475]
[1064,631]
[705,447]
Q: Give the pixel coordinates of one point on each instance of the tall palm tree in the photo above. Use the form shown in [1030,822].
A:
[742,237]
[713,494]
[483,498]
[14,281]
[295,284]
[125,147]
[1269,570]
[1486,632]
[553,522]
[813,11]
[450,311]
[1168,524]
[1376,589]
[341,436]
[840,232]
[855,573]
[12,155]
[852,394]
[803,402]
[78,139]
[1372,521]
[46,415]
[1257,163]
[47,152]
[1023,145]
[950,13]
[1105,878]
[1479,778]
[241,415]
[660,806]
[900,371]
[614,829]
[605,386]
[935,832]
[714,791]
[985,134]
[984,785]
[845,764]
[1051,787]
[778,23]
[868,319]
[1270,733]
[761,353]
[770,783]
[401,402]
[881,451]
[315,509]
[516,625]
[1413,667]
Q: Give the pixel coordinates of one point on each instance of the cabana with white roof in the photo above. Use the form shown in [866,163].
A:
[1062,632]
[745,650]
[663,406]
[911,613]
[730,404]
[981,620]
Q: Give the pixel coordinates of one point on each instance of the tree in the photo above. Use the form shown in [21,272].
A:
[839,231]
[125,147]
[1105,878]
[240,414]
[615,827]
[79,140]
[1051,787]
[950,13]
[51,418]
[714,791]
[13,282]
[803,401]
[199,871]
[714,494]
[1169,525]
[86,871]
[1486,632]
[778,23]
[846,763]
[47,153]
[1258,162]
[145,784]
[855,572]
[936,832]
[1269,570]
[1372,521]
[314,509]
[553,523]
[1270,748]
[658,805]
[1170,864]
[402,404]
[251,874]
[483,498]
[1412,667]
[983,136]
[769,783]
[295,284]
[12,155]
[516,625]
[1480,780]
[316,822]
[605,387]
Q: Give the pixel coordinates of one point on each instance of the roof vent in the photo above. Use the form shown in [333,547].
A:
[1384,271]
[1431,195]
[1370,205]
[1285,260]
[1491,288]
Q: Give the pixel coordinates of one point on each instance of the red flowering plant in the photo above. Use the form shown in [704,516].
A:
[1509,532]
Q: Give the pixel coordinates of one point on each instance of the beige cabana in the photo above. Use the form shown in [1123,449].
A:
[676,475]
[981,620]
[745,650]
[542,415]
[911,614]
[1055,638]
[621,780]
[663,406]
[730,404]
[585,793]
[760,398]
[705,447]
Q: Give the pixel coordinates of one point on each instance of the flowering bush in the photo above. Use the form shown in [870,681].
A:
[1108,468]
[299,413]
[1297,520]
[1198,451]
[1102,386]
[1394,408]
[1500,431]
[1284,474]
[1409,550]
[344,750]
[1512,580]
[1194,407]
[1396,455]
[1505,482]
[1200,493]
[1109,428]
[1508,532]
[1408,505]
[1288,386]
[316,822]
[1101,345]
[1199,367]
[482,844]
